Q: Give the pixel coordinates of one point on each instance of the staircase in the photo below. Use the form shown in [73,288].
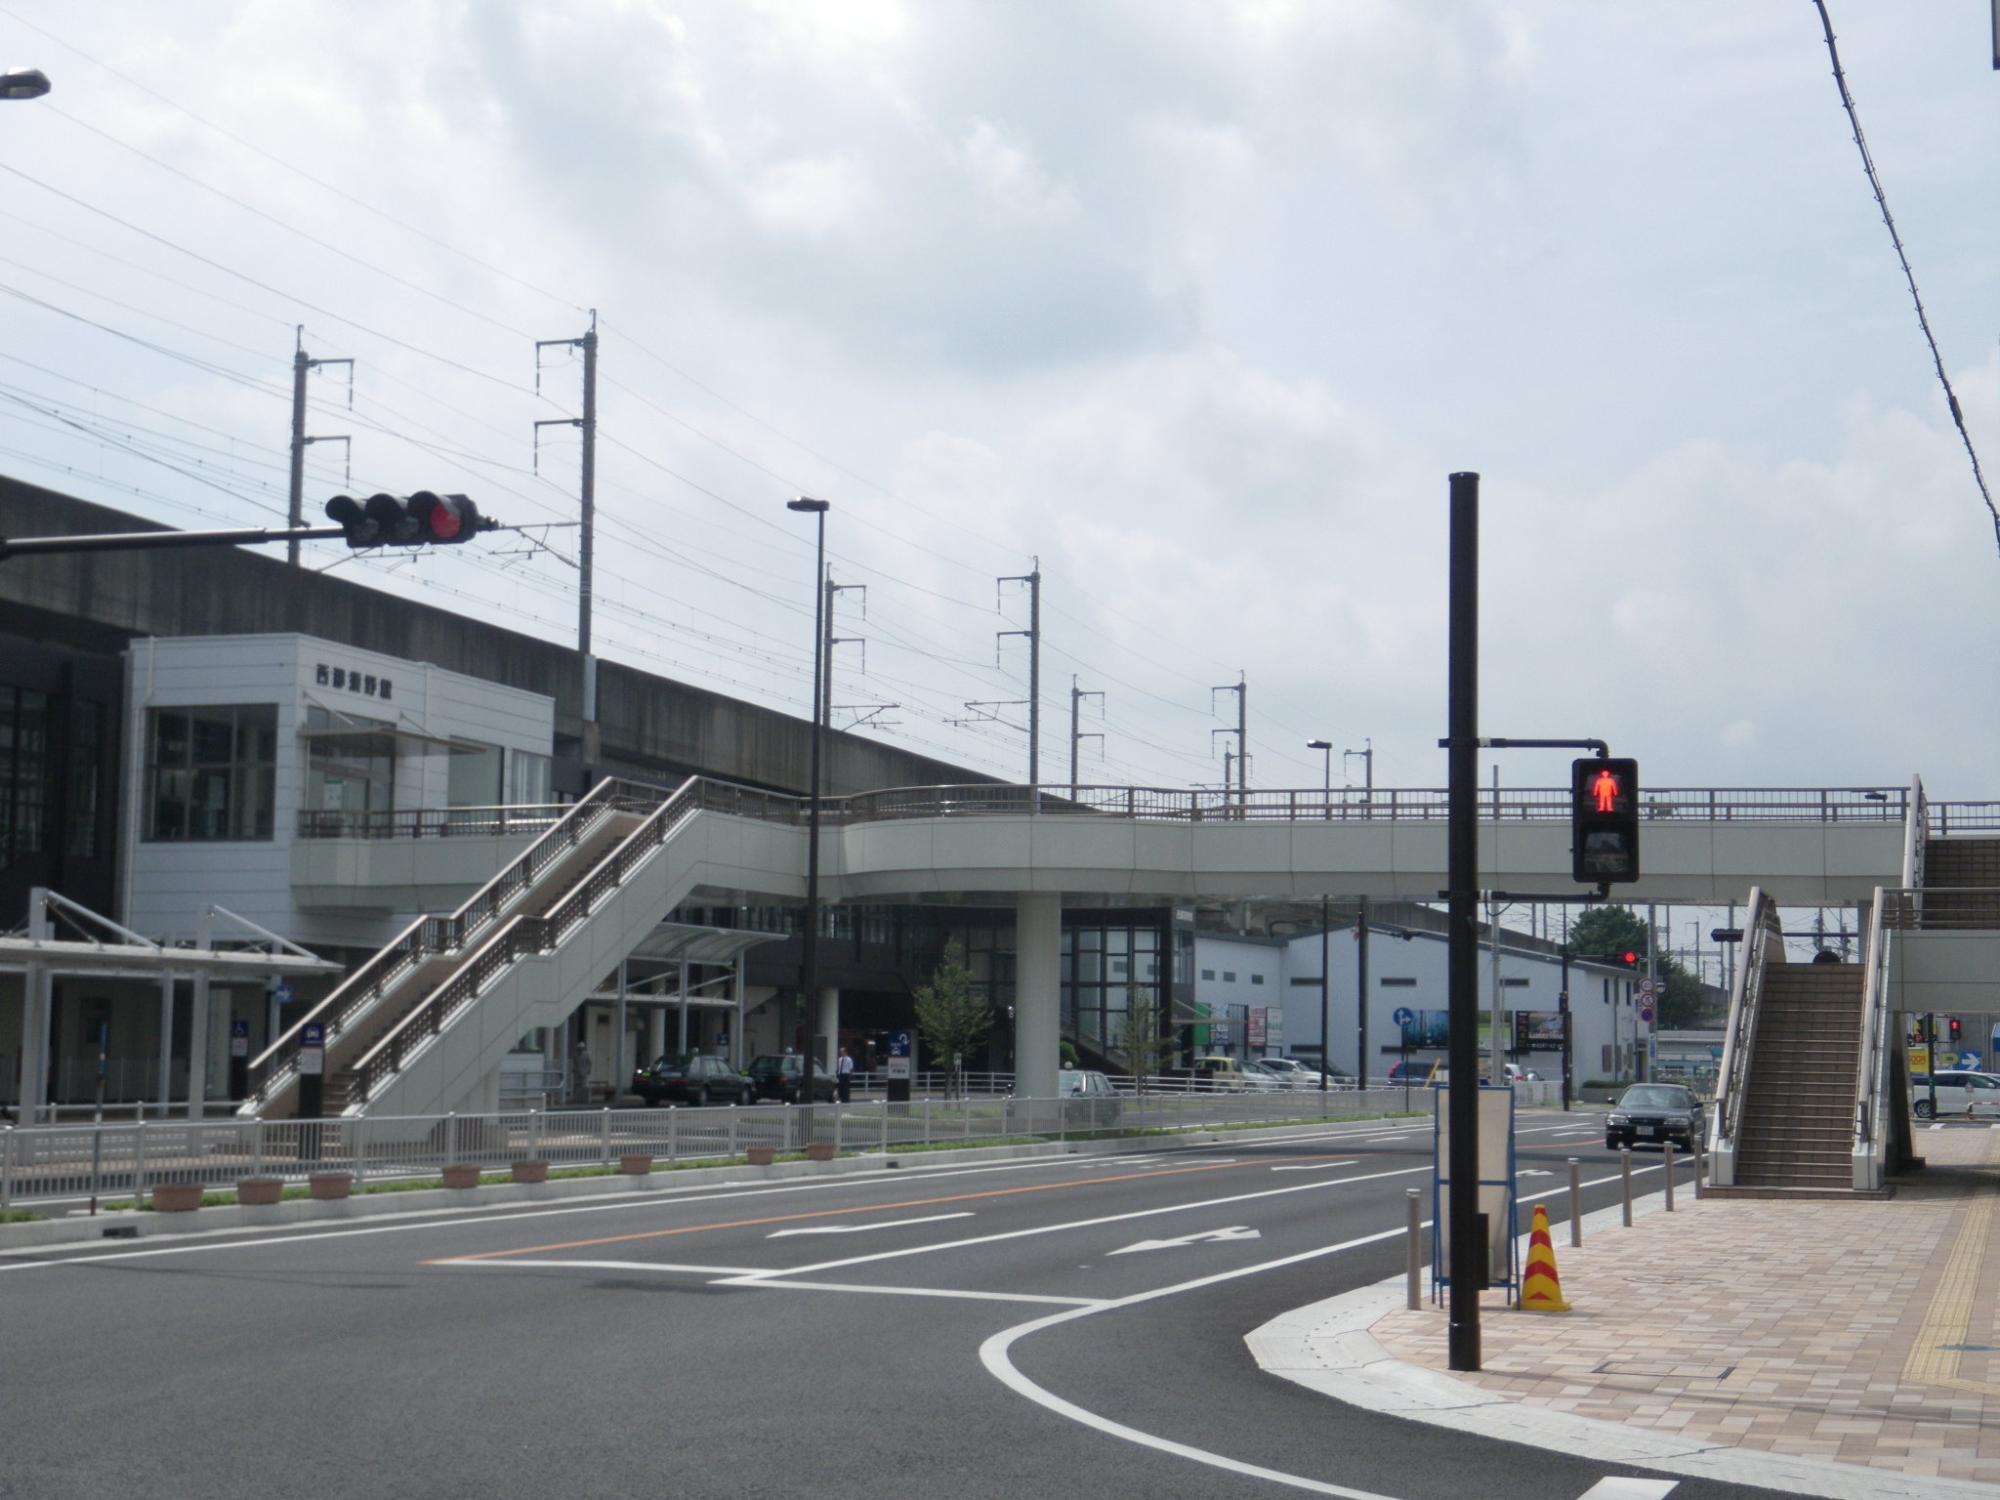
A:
[1797,1126]
[1961,878]
[380,997]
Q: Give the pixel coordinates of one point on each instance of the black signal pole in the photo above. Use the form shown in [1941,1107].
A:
[1467,1250]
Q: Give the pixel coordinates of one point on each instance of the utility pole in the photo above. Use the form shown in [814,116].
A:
[1034,634]
[302,367]
[1367,755]
[1325,953]
[833,592]
[1076,736]
[587,499]
[1242,691]
[1466,1252]
[1367,759]
[1497,1070]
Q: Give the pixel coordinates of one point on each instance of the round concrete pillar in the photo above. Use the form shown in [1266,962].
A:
[1037,995]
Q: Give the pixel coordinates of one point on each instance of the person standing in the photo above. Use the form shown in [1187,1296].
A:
[843,1080]
[579,1073]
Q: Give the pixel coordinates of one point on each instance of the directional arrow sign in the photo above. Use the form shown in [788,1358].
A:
[1238,1232]
[778,1234]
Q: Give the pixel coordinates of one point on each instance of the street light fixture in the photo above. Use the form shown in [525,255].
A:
[809,954]
[23,83]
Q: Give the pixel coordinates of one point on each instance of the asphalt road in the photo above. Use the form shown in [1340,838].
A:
[1068,1326]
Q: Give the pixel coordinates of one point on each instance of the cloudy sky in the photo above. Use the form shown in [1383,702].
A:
[1198,304]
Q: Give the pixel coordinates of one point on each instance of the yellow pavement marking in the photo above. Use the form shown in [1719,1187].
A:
[1948,1320]
[834,1213]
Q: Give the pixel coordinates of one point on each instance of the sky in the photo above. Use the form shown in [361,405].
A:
[1194,306]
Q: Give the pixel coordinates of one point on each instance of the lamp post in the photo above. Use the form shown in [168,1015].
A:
[1325,747]
[23,83]
[809,952]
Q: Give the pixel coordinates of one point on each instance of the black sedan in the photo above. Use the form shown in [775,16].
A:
[777,1077]
[696,1079]
[1654,1114]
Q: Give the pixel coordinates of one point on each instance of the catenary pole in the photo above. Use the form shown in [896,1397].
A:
[1467,1249]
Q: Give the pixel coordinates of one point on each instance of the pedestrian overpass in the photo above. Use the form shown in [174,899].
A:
[422,1026]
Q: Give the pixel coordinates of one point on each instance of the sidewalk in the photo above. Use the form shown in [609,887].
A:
[1863,1333]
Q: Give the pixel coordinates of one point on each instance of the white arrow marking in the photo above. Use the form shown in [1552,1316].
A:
[1236,1232]
[1620,1487]
[1318,1166]
[778,1234]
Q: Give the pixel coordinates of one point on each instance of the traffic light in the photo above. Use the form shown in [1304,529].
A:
[423,519]
[1604,820]
[1953,1023]
[1629,959]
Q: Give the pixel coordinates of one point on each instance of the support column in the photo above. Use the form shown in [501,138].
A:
[656,1032]
[826,1033]
[37,1002]
[682,1042]
[621,1072]
[167,982]
[1037,995]
[739,1045]
[198,1045]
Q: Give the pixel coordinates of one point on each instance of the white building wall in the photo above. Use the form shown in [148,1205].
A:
[1232,972]
[167,883]
[1412,973]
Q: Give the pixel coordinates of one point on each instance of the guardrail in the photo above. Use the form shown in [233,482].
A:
[47,1163]
[1764,944]
[1871,1086]
[432,822]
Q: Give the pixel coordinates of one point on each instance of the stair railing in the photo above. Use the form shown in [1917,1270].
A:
[1871,1079]
[430,935]
[1763,943]
[523,936]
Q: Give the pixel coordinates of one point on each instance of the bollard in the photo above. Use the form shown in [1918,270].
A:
[1575,1203]
[1413,1272]
[1625,1172]
[1700,1163]
[1668,1148]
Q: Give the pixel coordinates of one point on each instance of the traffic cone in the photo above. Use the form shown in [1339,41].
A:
[1541,1287]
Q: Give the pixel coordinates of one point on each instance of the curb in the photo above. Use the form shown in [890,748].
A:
[1326,1347]
[75,1229]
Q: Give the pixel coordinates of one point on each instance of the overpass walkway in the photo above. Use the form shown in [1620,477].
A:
[419,1027]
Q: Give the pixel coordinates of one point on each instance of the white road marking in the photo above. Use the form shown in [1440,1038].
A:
[603,1265]
[1620,1487]
[778,1234]
[1533,1172]
[1211,1236]
[1318,1166]
[671,1268]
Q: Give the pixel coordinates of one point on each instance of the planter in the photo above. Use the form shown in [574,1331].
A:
[763,1156]
[177,1198]
[328,1186]
[819,1151]
[461,1175]
[531,1171]
[257,1192]
[636,1166]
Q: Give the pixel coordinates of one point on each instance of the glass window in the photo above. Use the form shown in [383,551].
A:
[211,772]
[473,780]
[1229,976]
[350,763]
[86,746]
[529,778]
[1256,978]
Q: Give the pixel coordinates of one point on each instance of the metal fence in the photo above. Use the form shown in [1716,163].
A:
[45,1163]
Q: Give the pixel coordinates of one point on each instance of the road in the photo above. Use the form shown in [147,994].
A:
[1069,1325]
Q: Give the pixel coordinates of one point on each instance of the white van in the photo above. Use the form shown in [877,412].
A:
[1973,1095]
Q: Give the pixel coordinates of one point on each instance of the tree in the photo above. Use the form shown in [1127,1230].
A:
[1605,934]
[1145,1049]
[951,1014]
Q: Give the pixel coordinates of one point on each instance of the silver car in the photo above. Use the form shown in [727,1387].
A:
[1969,1095]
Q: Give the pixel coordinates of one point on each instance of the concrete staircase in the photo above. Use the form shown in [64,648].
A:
[1797,1130]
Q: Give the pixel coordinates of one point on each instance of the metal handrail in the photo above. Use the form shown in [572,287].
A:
[1764,937]
[521,935]
[1942,908]
[497,820]
[1868,1084]
[359,992]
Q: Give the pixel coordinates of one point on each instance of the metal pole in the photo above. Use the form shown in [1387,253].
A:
[1242,744]
[1361,1000]
[1413,1274]
[1575,1202]
[1034,685]
[1467,1250]
[1325,952]
[1562,1004]
[809,948]
[1625,1180]
[619,1071]
[296,513]
[1668,1150]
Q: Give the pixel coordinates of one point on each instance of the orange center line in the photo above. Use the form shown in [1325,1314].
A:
[836,1213]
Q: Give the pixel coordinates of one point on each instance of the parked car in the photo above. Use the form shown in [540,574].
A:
[1655,1114]
[1958,1093]
[1415,1074]
[777,1077]
[1089,1100]
[696,1079]
[1227,1073]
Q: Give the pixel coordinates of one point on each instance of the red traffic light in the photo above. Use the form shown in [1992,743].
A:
[1954,1028]
[423,519]
[444,518]
[1629,959]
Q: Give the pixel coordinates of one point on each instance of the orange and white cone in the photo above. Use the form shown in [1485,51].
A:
[1541,1287]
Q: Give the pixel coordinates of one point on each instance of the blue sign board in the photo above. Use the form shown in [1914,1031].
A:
[314,1034]
[282,993]
[899,1044]
[1404,1015]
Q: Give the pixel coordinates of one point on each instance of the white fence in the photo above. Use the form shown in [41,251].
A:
[54,1162]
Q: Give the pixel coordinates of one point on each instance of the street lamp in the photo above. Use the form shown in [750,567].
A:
[24,83]
[1325,747]
[809,955]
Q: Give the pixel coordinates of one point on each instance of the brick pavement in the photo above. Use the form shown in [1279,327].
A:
[1866,1332]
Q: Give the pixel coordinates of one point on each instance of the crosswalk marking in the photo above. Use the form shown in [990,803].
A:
[1621,1487]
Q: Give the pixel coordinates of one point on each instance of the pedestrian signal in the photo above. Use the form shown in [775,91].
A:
[1604,820]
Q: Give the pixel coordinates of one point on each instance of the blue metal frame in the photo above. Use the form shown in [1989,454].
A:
[1440,1274]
